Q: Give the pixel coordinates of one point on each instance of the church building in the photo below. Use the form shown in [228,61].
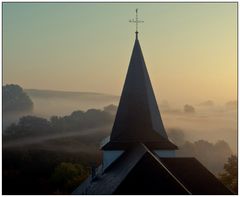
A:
[138,157]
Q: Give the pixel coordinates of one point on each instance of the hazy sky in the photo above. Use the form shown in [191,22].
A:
[190,48]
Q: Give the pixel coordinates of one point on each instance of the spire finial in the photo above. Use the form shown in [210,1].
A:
[136,21]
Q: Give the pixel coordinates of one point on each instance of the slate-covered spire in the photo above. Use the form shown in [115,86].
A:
[138,118]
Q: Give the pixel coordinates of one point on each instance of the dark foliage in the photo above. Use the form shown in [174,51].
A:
[28,125]
[15,99]
[43,172]
[230,175]
[78,120]
[67,176]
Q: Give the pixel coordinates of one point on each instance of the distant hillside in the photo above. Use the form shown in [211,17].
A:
[68,94]
[51,102]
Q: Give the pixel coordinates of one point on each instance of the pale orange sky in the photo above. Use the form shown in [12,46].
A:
[190,48]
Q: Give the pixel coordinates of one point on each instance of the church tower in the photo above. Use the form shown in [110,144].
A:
[138,157]
[138,119]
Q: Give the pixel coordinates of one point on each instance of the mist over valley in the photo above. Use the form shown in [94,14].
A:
[205,120]
[70,126]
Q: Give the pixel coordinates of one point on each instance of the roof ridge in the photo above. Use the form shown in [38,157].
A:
[168,171]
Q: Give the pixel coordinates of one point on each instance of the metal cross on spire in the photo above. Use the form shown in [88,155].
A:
[136,21]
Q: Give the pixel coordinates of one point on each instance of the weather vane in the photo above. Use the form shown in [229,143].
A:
[136,21]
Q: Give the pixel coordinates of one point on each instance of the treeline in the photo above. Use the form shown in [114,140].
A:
[211,155]
[76,121]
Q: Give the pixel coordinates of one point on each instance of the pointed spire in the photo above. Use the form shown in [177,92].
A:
[138,118]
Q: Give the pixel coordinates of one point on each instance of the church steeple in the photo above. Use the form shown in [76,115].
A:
[138,118]
[139,148]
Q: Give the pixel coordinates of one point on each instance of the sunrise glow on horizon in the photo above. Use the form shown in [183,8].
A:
[190,49]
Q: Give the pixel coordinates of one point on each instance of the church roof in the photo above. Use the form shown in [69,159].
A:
[195,176]
[140,171]
[138,118]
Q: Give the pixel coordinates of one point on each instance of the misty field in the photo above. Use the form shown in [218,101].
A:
[60,137]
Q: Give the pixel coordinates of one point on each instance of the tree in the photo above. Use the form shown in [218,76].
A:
[189,109]
[15,99]
[28,125]
[112,109]
[67,176]
[229,176]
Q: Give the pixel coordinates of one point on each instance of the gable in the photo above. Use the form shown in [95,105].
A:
[149,177]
